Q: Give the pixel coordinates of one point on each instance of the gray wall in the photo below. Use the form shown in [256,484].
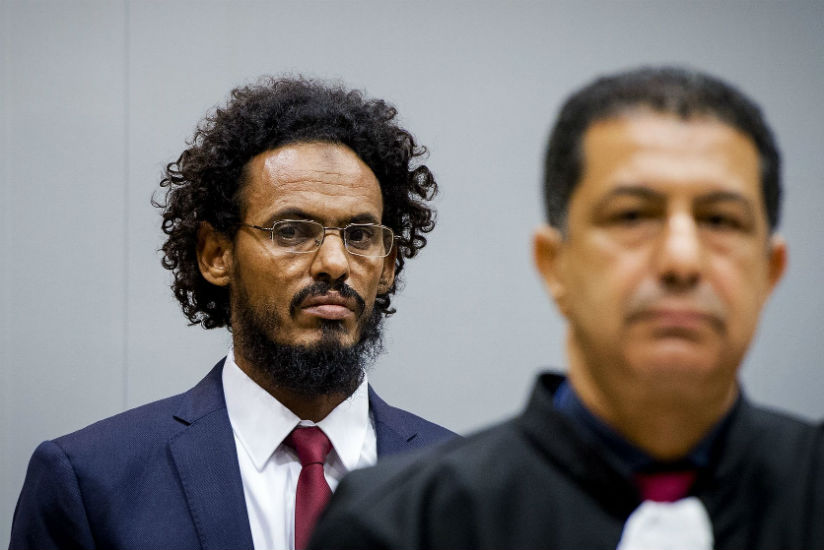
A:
[97,96]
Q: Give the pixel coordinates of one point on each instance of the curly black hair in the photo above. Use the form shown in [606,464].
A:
[204,184]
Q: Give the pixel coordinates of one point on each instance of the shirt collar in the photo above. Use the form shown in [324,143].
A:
[567,402]
[261,422]
[346,426]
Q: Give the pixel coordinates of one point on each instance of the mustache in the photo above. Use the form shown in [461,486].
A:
[701,298]
[322,287]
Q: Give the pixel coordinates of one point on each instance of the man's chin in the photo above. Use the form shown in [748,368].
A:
[679,361]
[322,359]
[322,339]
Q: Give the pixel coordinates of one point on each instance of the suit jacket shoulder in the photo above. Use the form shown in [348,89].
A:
[161,475]
[398,430]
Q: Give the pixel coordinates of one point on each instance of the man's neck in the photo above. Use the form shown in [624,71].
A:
[305,407]
[665,424]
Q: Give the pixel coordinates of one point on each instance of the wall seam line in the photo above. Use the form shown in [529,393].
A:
[126,186]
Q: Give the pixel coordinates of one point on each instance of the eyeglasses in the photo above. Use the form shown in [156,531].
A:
[303,236]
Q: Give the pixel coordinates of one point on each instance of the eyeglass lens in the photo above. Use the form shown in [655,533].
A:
[359,239]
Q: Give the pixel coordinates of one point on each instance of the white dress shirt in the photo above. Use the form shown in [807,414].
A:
[269,469]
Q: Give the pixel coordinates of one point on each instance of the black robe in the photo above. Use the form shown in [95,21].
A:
[534,482]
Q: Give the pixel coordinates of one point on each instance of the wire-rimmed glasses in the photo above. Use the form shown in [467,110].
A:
[371,240]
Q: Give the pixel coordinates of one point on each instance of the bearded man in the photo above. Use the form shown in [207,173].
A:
[289,219]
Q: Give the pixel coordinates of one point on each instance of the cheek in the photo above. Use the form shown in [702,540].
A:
[365,278]
[273,282]
[743,287]
[607,278]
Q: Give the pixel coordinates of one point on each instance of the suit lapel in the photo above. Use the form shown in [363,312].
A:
[205,456]
[206,459]
[393,432]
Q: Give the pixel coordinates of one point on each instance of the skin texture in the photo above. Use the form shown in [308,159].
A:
[661,273]
[324,182]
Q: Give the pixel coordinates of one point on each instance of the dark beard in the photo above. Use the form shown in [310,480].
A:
[325,368]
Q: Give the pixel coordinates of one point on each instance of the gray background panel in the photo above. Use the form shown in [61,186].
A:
[98,96]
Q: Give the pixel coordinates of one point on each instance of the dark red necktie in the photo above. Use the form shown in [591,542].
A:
[312,446]
[665,486]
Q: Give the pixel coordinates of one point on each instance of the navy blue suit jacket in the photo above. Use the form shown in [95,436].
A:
[164,475]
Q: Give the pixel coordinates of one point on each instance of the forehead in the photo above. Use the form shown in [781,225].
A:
[669,154]
[326,181]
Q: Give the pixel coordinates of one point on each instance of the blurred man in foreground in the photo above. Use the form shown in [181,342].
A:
[289,219]
[662,191]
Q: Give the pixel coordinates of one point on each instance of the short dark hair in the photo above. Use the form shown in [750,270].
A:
[204,184]
[672,90]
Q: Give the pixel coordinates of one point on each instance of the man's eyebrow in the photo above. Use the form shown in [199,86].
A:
[649,194]
[725,196]
[288,214]
[364,218]
[636,191]
[293,213]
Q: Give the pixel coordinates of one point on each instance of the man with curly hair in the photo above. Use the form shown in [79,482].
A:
[289,219]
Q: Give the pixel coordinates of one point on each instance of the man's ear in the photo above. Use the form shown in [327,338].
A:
[388,271]
[214,255]
[547,244]
[777,260]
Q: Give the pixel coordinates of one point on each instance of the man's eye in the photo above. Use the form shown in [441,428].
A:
[292,232]
[360,235]
[721,221]
[285,232]
[629,216]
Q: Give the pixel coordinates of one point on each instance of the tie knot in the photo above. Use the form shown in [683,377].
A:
[311,445]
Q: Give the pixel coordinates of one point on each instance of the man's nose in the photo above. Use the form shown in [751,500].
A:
[331,260]
[680,254]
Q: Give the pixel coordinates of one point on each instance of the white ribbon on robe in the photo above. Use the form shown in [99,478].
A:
[681,525]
